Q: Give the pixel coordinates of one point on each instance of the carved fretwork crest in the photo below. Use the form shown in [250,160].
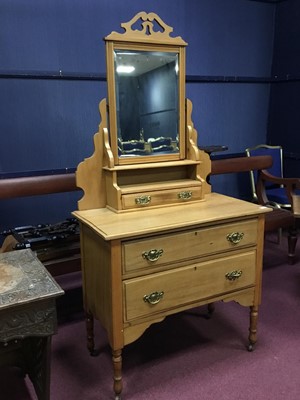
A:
[152,29]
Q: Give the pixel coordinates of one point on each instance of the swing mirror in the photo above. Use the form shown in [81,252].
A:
[146,92]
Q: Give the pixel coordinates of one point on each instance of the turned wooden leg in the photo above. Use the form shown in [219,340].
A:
[89,321]
[117,364]
[252,328]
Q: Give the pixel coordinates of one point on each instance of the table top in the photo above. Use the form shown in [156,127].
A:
[24,279]
[215,208]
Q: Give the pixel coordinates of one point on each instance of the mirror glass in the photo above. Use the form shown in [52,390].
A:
[147,102]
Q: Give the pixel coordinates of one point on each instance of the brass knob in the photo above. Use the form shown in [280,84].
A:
[153,298]
[235,237]
[152,255]
[185,195]
[143,200]
[233,275]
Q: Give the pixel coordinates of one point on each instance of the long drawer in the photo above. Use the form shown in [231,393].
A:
[165,249]
[167,290]
[160,197]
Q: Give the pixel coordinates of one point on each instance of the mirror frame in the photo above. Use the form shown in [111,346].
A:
[145,39]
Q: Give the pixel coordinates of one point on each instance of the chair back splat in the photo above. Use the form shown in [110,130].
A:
[275,193]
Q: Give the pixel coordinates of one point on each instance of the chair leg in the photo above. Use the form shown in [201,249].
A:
[279,235]
[292,241]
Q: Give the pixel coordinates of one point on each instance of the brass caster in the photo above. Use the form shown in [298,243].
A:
[250,347]
[94,353]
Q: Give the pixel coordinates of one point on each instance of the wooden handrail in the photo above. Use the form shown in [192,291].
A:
[47,184]
[37,185]
[240,164]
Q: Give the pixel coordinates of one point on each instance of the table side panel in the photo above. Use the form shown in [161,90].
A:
[259,259]
[102,290]
[33,319]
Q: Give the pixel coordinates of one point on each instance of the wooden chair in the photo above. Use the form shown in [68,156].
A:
[280,218]
[276,193]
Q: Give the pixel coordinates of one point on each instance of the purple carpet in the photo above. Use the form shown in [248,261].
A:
[187,356]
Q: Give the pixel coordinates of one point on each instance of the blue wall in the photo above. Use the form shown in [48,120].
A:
[284,116]
[48,115]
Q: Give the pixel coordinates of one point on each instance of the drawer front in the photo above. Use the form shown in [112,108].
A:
[165,249]
[168,290]
[161,197]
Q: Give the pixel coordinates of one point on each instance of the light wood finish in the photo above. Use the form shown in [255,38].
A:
[296,205]
[110,225]
[159,197]
[110,185]
[186,285]
[47,184]
[198,243]
[8,244]
[146,39]
[93,183]
[189,165]
[191,272]
[112,182]
[147,253]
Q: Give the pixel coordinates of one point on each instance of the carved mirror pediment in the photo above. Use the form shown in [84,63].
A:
[146,92]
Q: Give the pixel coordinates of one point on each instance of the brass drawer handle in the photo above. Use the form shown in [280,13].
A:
[143,200]
[153,298]
[233,275]
[185,195]
[152,255]
[235,237]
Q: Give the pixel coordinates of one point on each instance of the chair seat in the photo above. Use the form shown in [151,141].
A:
[278,195]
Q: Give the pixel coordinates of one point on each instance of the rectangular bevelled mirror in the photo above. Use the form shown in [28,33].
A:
[147,102]
[146,95]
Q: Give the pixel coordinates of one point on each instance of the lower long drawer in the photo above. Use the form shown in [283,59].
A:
[174,288]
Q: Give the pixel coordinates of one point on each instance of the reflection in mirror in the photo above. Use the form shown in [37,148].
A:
[147,101]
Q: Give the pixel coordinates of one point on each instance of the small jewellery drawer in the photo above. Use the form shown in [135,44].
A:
[161,197]
[165,249]
[175,288]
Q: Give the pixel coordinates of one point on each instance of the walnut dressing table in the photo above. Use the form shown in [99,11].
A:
[155,240]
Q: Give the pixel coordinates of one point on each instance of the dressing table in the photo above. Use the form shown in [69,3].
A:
[155,239]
